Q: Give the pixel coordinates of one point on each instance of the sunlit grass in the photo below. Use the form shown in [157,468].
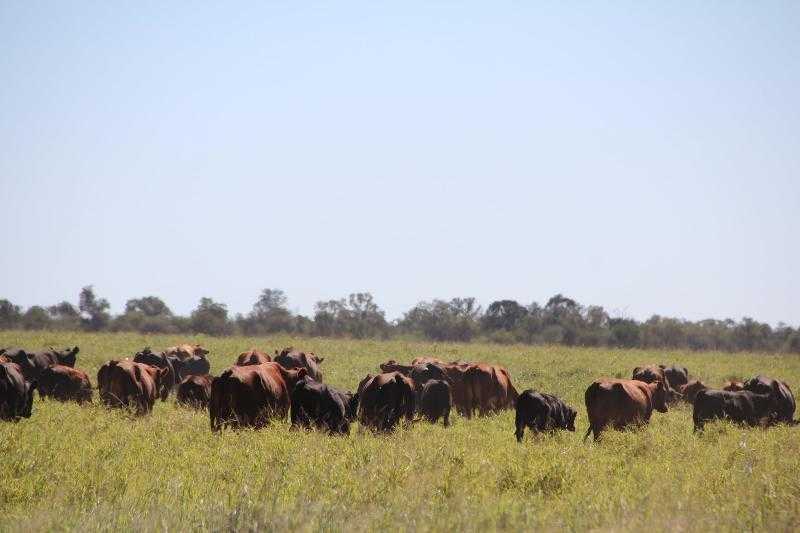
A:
[92,469]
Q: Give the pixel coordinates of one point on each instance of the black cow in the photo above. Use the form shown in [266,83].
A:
[435,401]
[195,365]
[16,394]
[677,376]
[765,385]
[739,406]
[541,412]
[318,405]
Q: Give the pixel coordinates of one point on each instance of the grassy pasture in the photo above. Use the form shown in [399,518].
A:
[94,469]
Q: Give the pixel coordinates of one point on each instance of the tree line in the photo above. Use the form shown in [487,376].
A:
[561,320]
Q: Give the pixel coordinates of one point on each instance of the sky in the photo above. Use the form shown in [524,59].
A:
[643,156]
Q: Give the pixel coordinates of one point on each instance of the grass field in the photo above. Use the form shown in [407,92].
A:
[93,469]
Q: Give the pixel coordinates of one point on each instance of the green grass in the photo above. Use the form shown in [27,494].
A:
[93,469]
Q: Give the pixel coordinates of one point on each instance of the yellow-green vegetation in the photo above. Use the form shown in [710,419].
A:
[89,468]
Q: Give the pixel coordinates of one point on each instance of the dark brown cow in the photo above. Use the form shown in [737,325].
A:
[733,386]
[250,395]
[435,401]
[290,359]
[385,400]
[159,360]
[184,351]
[65,384]
[677,376]
[195,391]
[691,389]
[16,393]
[620,403]
[785,397]
[130,385]
[46,358]
[488,389]
[252,357]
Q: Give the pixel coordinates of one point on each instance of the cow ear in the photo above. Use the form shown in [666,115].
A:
[75,350]
[662,367]
[319,359]
[636,370]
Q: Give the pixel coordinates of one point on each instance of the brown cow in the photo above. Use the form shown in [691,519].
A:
[184,351]
[290,359]
[251,395]
[64,384]
[691,389]
[488,389]
[623,402]
[195,391]
[252,357]
[385,400]
[130,385]
[16,393]
[733,386]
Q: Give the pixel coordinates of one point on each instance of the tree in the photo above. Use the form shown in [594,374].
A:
[148,306]
[36,317]
[456,320]
[211,318]
[357,316]
[503,314]
[624,333]
[269,314]
[94,311]
[65,316]
[10,315]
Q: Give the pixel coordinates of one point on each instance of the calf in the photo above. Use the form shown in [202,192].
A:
[739,406]
[435,401]
[65,384]
[16,394]
[690,390]
[318,405]
[623,402]
[195,391]
[541,412]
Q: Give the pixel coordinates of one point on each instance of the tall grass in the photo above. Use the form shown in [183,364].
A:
[89,468]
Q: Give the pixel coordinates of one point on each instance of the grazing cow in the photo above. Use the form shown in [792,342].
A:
[16,393]
[785,398]
[690,390]
[488,389]
[64,383]
[740,406]
[195,391]
[385,400]
[252,357]
[733,386]
[623,402]
[159,360]
[677,376]
[194,365]
[541,412]
[250,395]
[317,405]
[435,401]
[290,359]
[130,385]
[184,351]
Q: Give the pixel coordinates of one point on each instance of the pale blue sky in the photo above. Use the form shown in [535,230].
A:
[644,156]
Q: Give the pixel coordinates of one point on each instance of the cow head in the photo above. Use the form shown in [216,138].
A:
[67,356]
[661,396]
[571,414]
[293,376]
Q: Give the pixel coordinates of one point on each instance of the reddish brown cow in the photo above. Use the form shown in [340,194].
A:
[64,383]
[488,389]
[623,402]
[252,357]
[195,391]
[385,400]
[130,385]
[691,389]
[251,395]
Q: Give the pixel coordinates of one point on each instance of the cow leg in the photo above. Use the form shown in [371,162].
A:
[447,417]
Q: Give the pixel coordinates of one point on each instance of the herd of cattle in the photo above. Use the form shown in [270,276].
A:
[260,387]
